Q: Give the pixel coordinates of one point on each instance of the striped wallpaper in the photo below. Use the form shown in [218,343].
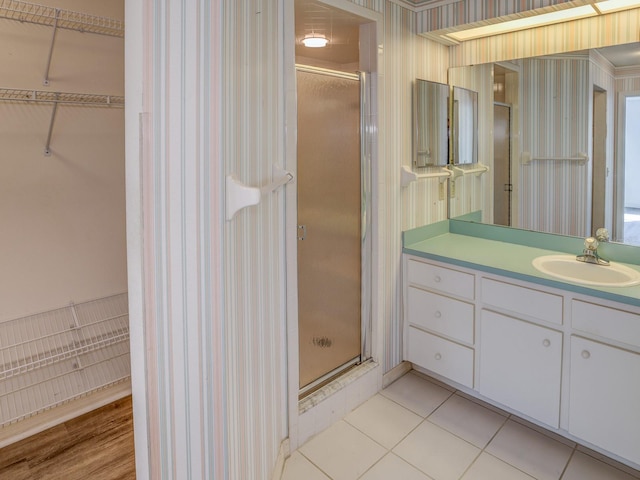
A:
[406,57]
[464,11]
[205,99]
[555,123]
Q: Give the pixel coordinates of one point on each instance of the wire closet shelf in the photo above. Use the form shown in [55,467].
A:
[67,19]
[80,99]
[51,358]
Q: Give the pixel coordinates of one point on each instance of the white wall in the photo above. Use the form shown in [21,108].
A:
[62,217]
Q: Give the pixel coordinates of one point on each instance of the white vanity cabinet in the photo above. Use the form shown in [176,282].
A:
[604,393]
[520,366]
[440,319]
[565,360]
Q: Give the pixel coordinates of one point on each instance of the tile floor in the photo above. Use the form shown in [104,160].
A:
[416,429]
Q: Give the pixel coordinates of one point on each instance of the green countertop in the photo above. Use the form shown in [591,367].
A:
[504,257]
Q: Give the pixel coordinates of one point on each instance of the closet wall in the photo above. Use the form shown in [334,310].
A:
[62,216]
[64,330]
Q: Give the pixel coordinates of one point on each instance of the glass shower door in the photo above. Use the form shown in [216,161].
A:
[329,224]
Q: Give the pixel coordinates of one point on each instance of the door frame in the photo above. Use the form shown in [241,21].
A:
[509,163]
[619,167]
[371,39]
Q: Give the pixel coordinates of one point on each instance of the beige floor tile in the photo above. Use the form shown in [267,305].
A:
[436,452]
[393,467]
[383,420]
[584,467]
[488,467]
[417,394]
[468,420]
[297,467]
[342,451]
[534,453]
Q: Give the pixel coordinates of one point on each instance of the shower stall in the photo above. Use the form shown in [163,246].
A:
[332,199]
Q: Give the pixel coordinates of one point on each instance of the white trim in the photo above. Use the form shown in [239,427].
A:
[135,32]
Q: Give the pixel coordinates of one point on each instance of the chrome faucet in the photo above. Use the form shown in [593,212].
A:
[590,252]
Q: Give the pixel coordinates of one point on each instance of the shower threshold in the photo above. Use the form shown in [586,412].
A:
[329,377]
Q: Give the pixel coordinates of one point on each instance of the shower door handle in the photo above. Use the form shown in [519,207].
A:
[302,232]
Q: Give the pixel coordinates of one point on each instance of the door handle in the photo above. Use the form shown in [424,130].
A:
[302,232]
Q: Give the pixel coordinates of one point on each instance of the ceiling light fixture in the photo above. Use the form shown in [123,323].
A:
[549,18]
[610,6]
[315,41]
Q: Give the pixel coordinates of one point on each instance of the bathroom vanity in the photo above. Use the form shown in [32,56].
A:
[480,317]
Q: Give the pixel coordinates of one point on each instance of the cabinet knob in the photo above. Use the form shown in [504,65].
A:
[585,354]
[437,279]
[546,342]
[437,314]
[437,356]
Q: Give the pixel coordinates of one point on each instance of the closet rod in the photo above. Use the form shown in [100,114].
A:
[67,19]
[79,99]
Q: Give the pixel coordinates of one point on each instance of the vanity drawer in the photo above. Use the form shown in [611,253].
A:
[440,314]
[620,325]
[441,356]
[533,303]
[442,279]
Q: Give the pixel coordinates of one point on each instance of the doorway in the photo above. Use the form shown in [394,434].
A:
[502,186]
[631,169]
[333,196]
[599,174]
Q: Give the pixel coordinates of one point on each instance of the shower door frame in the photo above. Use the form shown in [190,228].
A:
[366,245]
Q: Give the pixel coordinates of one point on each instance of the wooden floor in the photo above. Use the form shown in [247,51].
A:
[96,446]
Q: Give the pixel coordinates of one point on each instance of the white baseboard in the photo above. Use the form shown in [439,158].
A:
[395,373]
[283,454]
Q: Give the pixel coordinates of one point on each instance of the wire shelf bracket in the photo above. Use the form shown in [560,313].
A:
[59,18]
[59,98]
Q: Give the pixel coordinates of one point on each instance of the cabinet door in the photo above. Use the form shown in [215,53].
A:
[520,366]
[604,397]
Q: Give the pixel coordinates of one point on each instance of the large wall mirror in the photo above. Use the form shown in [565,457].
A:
[430,137]
[558,134]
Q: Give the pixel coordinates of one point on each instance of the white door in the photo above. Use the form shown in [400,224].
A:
[520,366]
[604,397]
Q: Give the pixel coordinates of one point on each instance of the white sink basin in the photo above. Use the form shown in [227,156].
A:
[566,267]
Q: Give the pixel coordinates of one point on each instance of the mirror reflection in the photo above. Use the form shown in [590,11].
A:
[556,132]
[465,118]
[431,137]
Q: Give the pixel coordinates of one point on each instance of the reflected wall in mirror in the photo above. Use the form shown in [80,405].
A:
[431,137]
[465,120]
[566,157]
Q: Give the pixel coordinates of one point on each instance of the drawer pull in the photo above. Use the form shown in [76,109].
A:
[585,354]
[437,314]
[437,356]
[546,342]
[437,279]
